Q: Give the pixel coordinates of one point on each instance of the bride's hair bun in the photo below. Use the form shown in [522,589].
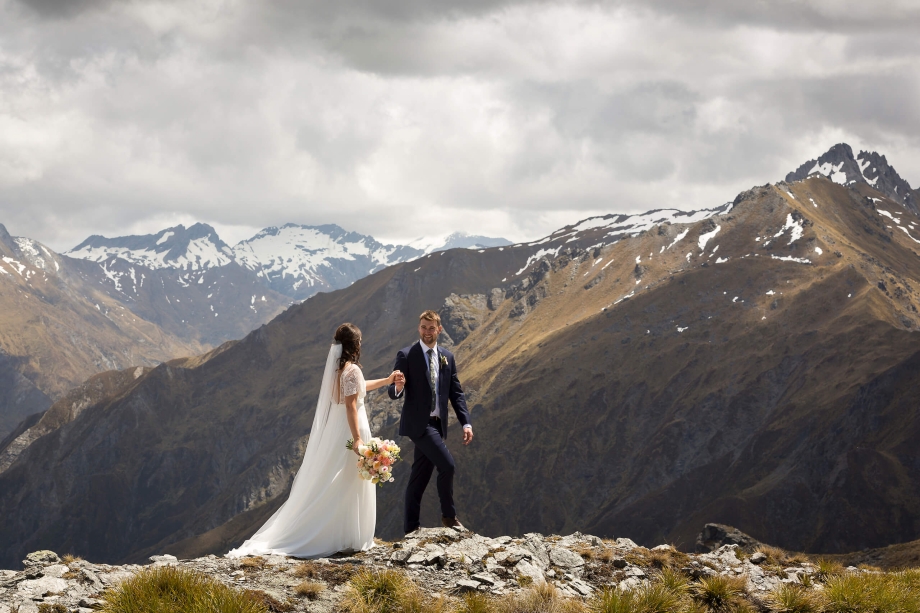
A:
[350,337]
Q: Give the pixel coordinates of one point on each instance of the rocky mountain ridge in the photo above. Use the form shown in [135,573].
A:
[868,167]
[442,560]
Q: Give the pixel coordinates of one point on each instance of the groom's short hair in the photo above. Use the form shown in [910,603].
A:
[430,316]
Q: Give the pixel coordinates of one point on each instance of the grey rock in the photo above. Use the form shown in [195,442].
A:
[401,556]
[471,550]
[39,587]
[43,557]
[635,571]
[93,579]
[55,570]
[502,540]
[663,548]
[581,587]
[527,569]
[714,536]
[629,583]
[489,579]
[565,558]
[165,558]
[90,603]
[418,557]
[467,585]
[619,563]
[534,544]
[624,543]
[512,555]
[758,558]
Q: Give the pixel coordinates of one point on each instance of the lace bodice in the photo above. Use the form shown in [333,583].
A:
[352,382]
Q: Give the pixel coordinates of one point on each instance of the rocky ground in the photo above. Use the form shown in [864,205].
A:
[442,560]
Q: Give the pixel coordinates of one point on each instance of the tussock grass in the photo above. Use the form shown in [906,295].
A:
[674,581]
[309,589]
[542,598]
[168,589]
[720,593]
[826,568]
[44,607]
[388,591]
[897,592]
[69,558]
[336,574]
[252,563]
[670,558]
[475,602]
[792,598]
[268,601]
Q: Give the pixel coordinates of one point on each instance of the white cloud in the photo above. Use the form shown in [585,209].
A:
[398,119]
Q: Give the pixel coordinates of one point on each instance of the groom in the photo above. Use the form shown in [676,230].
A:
[428,380]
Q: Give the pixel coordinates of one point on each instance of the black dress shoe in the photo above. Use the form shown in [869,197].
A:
[452,522]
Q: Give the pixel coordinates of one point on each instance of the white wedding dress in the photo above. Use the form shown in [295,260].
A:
[330,508]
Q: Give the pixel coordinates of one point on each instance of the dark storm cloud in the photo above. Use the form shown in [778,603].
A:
[393,118]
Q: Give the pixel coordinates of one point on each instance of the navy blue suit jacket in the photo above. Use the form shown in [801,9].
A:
[412,362]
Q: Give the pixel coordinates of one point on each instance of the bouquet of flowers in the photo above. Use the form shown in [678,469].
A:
[377,459]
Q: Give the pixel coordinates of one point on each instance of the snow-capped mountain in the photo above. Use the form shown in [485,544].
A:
[298,261]
[456,240]
[196,248]
[840,166]
[294,260]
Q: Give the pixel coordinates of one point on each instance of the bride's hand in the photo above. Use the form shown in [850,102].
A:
[392,377]
[358,443]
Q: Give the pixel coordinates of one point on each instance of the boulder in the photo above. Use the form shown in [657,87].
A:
[714,536]
[624,543]
[526,569]
[41,558]
[565,558]
[466,585]
[37,588]
[470,550]
[759,557]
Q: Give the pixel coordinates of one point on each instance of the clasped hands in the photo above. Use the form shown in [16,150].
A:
[399,379]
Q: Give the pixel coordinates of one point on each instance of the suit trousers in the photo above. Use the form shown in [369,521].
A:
[430,453]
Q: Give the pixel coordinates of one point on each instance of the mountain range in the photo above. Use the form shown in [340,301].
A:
[112,303]
[754,364]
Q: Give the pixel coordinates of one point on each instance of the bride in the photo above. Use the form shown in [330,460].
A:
[330,508]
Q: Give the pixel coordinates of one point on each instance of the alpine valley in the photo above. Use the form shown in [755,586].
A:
[754,364]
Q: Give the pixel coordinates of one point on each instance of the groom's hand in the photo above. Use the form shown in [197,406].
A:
[467,436]
[400,381]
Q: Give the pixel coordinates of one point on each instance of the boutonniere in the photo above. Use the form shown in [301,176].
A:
[443,362]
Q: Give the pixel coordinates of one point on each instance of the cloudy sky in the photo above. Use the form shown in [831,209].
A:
[405,118]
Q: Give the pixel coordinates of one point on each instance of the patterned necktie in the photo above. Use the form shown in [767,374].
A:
[433,379]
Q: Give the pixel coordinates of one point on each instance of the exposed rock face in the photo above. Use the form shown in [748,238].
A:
[870,168]
[714,536]
[441,560]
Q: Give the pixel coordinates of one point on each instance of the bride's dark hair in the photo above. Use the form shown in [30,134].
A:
[350,337]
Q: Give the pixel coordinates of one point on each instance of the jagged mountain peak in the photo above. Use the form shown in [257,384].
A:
[840,165]
[197,247]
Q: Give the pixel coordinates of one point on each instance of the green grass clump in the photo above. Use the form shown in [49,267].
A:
[542,598]
[825,569]
[792,598]
[52,608]
[388,591]
[873,592]
[720,593]
[168,589]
